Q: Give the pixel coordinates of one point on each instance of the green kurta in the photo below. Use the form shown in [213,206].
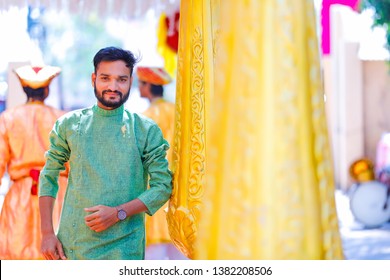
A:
[111,154]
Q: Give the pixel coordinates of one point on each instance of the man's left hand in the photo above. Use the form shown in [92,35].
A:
[102,217]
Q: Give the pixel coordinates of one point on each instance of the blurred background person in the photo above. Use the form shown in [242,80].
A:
[151,81]
[24,138]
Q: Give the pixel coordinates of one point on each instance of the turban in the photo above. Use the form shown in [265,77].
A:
[36,77]
[153,75]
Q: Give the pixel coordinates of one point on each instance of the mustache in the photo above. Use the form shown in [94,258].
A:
[115,91]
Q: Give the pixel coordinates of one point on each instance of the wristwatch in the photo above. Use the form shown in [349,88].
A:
[121,214]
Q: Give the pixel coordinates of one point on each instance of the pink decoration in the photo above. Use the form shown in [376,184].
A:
[325,20]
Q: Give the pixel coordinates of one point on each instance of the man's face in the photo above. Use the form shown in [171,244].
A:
[144,89]
[112,83]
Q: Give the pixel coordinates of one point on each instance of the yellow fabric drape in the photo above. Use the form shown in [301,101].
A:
[269,190]
[194,86]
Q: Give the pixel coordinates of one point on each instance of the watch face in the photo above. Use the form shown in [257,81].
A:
[122,215]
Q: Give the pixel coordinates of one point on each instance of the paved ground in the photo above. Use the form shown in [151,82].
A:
[359,242]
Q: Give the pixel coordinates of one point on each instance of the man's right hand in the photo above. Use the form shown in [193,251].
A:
[51,248]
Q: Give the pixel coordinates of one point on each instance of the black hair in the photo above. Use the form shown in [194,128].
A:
[114,54]
[38,93]
[156,90]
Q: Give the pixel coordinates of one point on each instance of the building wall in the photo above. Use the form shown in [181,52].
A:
[376,100]
[343,81]
[357,92]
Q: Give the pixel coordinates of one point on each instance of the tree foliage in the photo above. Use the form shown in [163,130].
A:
[381,15]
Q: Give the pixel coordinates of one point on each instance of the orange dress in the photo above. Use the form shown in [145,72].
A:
[163,113]
[24,138]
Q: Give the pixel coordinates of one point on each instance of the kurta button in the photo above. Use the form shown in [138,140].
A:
[74,224]
[79,156]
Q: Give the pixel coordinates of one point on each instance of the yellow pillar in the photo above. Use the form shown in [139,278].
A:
[194,87]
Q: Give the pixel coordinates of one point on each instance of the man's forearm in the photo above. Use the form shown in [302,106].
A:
[46,204]
[134,207]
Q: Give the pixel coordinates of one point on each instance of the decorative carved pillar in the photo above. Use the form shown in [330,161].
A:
[194,88]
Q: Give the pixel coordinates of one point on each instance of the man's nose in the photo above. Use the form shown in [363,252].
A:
[113,85]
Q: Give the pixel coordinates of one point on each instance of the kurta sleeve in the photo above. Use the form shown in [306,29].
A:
[56,157]
[4,146]
[156,165]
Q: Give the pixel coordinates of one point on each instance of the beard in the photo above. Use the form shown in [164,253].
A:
[111,103]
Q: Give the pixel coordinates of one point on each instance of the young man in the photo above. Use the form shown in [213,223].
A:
[23,142]
[112,153]
[151,82]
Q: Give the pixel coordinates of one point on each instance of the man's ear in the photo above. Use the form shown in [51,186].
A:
[93,79]
[46,92]
[131,80]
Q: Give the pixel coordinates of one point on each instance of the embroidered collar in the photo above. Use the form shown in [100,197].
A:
[108,113]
